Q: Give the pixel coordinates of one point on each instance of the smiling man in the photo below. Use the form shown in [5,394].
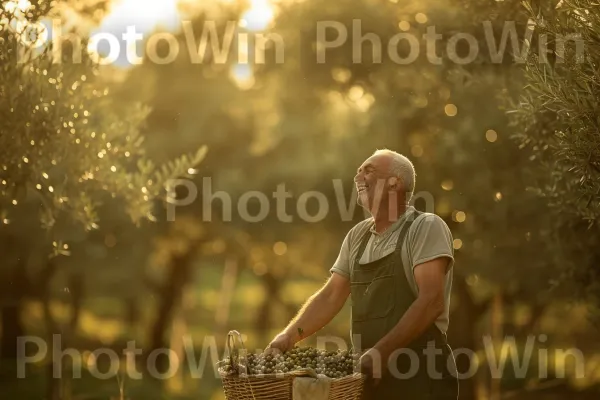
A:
[397,268]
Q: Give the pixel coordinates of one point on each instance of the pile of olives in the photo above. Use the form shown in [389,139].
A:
[333,364]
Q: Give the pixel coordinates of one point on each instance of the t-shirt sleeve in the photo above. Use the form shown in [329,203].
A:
[431,239]
[342,264]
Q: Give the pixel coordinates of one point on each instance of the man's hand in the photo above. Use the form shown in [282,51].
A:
[370,364]
[317,312]
[281,343]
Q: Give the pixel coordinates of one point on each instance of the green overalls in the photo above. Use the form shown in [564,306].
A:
[380,295]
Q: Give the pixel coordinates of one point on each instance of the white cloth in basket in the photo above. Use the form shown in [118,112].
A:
[309,388]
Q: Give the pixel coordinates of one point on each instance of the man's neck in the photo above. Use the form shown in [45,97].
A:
[387,216]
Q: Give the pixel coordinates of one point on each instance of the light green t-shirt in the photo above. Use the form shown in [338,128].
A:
[428,238]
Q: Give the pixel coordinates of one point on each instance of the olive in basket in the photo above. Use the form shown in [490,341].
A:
[334,364]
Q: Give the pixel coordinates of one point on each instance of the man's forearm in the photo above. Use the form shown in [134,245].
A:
[317,312]
[419,316]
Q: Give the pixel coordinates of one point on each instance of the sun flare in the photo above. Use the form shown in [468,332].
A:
[259,16]
[145,15]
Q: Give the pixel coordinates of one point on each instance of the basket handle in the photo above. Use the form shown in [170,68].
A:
[234,352]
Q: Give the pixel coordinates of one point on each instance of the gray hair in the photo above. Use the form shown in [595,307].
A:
[402,168]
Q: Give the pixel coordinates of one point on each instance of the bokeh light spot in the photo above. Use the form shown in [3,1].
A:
[451,110]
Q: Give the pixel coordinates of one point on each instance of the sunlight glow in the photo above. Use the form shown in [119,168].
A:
[243,76]
[145,15]
[21,5]
[33,34]
[259,16]
[361,100]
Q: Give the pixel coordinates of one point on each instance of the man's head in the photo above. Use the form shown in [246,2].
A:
[384,177]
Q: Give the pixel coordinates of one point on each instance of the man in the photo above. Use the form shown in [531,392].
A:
[397,268]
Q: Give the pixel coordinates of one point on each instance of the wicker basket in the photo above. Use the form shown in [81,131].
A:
[278,386]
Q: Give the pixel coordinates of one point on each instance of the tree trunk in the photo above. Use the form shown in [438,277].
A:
[272,287]
[76,289]
[178,331]
[53,385]
[17,287]
[228,282]
[132,315]
[12,328]
[463,334]
[497,335]
[170,295]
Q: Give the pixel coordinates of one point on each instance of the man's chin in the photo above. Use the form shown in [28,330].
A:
[363,201]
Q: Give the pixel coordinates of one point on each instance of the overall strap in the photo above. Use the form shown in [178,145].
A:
[363,245]
[404,230]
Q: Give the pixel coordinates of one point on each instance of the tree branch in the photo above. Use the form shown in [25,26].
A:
[536,314]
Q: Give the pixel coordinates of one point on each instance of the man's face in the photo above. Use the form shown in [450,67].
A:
[372,182]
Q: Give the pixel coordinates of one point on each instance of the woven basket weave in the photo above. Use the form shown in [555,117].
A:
[279,386]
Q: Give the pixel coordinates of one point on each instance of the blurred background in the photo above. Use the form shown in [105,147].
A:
[506,150]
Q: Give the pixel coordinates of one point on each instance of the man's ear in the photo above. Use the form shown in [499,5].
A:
[393,182]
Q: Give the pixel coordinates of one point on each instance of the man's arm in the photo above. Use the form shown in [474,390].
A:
[429,305]
[317,312]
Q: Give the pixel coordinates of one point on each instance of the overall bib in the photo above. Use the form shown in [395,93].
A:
[380,295]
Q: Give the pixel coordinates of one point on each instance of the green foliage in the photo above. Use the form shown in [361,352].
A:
[559,110]
[64,145]
[557,119]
